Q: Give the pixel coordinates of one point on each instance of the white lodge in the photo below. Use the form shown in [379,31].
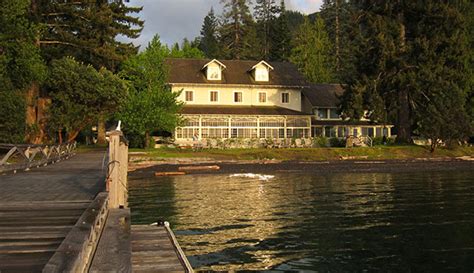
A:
[259,100]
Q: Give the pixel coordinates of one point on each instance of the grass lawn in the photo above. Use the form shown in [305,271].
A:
[307,154]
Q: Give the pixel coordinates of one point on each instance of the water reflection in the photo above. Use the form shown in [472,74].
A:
[338,223]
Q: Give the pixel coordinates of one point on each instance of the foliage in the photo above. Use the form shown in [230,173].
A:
[265,12]
[20,65]
[151,105]
[187,50]
[336,142]
[238,37]
[320,142]
[12,117]
[87,30]
[79,94]
[209,40]
[312,52]
[280,36]
[409,66]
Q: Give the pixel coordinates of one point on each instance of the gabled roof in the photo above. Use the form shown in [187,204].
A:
[264,63]
[324,95]
[215,61]
[189,71]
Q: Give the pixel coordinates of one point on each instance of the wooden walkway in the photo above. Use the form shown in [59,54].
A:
[153,250]
[56,219]
[40,207]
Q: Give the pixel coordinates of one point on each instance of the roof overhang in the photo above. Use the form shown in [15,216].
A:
[214,61]
[262,63]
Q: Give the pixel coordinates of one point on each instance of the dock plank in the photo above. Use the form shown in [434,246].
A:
[38,209]
[114,251]
[153,250]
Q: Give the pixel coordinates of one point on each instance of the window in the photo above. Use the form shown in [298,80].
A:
[323,113]
[285,97]
[237,96]
[261,74]
[262,97]
[213,73]
[329,131]
[189,95]
[214,96]
[333,114]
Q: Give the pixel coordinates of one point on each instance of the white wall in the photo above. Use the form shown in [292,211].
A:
[250,96]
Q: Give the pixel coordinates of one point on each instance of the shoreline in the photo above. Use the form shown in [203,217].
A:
[148,169]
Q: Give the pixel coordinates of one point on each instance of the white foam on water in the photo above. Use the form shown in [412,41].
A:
[262,177]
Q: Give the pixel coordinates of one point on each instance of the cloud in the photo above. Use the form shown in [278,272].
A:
[175,20]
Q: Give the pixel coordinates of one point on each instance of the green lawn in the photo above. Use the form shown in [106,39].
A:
[307,154]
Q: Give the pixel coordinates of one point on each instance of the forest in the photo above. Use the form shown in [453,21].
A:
[63,70]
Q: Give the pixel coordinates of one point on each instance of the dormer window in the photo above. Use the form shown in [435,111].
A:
[213,70]
[261,71]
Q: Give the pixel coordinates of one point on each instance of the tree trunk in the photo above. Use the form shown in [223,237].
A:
[43,105]
[72,135]
[101,131]
[31,97]
[403,122]
[147,140]
[338,52]
[60,136]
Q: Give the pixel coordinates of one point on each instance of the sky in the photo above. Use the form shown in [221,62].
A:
[175,20]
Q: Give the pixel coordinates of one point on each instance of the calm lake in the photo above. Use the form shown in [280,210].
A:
[295,222]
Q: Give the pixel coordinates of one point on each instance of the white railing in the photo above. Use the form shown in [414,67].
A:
[26,156]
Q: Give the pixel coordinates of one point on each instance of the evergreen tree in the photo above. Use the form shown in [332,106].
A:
[87,30]
[238,37]
[20,65]
[312,52]
[265,13]
[416,78]
[337,17]
[186,50]
[209,40]
[280,36]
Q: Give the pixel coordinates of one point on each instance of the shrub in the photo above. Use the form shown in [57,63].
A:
[320,142]
[336,142]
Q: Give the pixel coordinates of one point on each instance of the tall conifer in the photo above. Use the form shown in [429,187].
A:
[208,42]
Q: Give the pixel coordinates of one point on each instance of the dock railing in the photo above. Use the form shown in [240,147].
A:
[27,156]
[117,184]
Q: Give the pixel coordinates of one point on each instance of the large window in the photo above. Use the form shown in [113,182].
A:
[323,113]
[262,97]
[237,96]
[333,114]
[214,96]
[285,97]
[213,73]
[261,74]
[189,96]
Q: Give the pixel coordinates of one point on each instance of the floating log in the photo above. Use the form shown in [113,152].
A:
[199,168]
[169,173]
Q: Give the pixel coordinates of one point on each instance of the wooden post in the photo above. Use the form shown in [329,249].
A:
[117,171]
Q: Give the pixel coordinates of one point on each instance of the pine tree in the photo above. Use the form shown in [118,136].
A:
[237,30]
[280,36]
[337,17]
[312,52]
[87,30]
[208,42]
[265,13]
[416,78]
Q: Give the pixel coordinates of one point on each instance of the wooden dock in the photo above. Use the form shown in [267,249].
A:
[58,218]
[155,249]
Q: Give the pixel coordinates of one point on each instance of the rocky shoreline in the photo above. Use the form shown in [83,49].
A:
[148,168]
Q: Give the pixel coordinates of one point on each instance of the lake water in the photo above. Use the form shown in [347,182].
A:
[407,222]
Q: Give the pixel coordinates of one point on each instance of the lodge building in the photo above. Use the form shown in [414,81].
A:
[257,100]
